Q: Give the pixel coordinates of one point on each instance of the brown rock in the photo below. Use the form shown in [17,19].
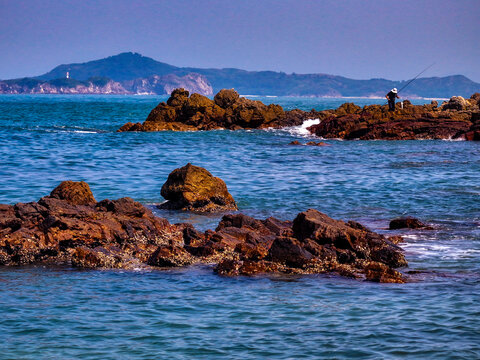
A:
[74,192]
[197,112]
[473,136]
[407,223]
[453,119]
[193,188]
[289,251]
[350,240]
[397,239]
[378,272]
[115,232]
[348,108]
[178,97]
[131,127]
[170,256]
[324,230]
[229,267]
[233,267]
[225,98]
[124,234]
[313,143]
[455,103]
[98,257]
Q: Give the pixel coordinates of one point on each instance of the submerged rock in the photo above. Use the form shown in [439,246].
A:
[407,223]
[193,188]
[310,143]
[314,143]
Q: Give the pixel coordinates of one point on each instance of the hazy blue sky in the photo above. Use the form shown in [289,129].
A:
[357,39]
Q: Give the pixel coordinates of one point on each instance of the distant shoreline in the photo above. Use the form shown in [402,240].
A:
[246,96]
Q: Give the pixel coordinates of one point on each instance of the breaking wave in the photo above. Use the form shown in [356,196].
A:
[301,130]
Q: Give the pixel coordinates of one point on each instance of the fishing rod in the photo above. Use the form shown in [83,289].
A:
[415,78]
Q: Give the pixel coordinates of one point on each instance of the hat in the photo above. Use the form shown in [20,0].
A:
[394,90]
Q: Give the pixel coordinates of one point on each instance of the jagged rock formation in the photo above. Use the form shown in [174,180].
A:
[69,227]
[193,188]
[226,111]
[313,243]
[458,118]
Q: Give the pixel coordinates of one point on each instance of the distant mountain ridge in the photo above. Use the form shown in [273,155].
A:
[134,73]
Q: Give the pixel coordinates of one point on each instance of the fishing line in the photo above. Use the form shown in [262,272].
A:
[415,77]
[412,80]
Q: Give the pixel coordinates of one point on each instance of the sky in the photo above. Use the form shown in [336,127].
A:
[359,39]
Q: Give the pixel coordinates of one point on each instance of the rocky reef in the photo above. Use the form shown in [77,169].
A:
[70,227]
[457,118]
[185,112]
[193,188]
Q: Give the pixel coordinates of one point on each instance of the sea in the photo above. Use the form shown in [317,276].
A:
[191,313]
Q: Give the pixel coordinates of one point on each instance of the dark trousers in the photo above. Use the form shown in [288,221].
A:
[391,105]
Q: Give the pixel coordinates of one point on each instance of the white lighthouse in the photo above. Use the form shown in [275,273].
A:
[68,75]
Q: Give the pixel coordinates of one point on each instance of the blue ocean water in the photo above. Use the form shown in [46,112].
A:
[64,313]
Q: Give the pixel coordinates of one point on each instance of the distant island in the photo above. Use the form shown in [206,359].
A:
[132,73]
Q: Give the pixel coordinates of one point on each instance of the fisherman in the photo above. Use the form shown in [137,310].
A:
[391,96]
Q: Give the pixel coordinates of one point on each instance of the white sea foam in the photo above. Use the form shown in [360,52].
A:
[301,130]
[445,252]
[450,139]
[410,236]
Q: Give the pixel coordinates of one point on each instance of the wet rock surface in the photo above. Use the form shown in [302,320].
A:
[193,188]
[457,118]
[124,234]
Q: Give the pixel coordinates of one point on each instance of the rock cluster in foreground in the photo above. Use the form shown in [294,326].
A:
[71,227]
[458,118]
